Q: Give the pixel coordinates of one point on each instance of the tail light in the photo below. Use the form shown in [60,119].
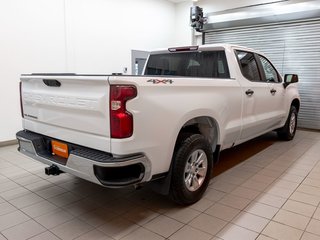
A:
[21,106]
[121,121]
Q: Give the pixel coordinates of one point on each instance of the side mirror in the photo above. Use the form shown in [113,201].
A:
[290,78]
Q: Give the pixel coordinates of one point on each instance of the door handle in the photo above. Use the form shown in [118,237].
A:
[273,91]
[249,92]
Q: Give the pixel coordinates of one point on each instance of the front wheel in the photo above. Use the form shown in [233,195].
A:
[288,131]
[191,172]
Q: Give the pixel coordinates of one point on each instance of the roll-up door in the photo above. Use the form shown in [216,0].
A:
[293,48]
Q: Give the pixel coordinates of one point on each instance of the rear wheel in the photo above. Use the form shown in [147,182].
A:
[191,172]
[289,129]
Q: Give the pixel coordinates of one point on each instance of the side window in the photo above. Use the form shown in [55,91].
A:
[248,65]
[269,71]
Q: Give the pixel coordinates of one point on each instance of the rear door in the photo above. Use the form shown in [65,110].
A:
[70,108]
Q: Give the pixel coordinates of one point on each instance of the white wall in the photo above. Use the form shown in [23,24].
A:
[101,33]
[183,35]
[83,36]
[31,40]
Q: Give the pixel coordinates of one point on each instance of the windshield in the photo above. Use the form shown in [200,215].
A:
[207,64]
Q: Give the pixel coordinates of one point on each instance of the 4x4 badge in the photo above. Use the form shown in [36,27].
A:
[160,81]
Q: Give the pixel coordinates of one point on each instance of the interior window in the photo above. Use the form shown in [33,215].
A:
[269,71]
[192,63]
[248,65]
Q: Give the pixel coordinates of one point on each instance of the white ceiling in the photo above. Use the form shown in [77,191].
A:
[177,1]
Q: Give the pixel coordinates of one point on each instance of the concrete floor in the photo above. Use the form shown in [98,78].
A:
[264,189]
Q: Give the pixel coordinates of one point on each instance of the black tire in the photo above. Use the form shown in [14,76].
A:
[180,191]
[288,131]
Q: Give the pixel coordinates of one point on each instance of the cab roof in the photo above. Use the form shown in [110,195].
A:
[206,47]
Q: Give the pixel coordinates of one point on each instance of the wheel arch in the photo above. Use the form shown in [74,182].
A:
[204,125]
[296,103]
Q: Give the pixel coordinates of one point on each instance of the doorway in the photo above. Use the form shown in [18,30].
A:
[138,59]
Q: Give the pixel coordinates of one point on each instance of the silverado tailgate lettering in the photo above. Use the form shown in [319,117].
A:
[62,101]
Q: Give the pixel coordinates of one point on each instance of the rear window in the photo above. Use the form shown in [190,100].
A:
[207,64]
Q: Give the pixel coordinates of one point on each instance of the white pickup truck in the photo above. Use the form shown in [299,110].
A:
[166,127]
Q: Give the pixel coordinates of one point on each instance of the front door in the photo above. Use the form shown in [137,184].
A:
[276,89]
[257,111]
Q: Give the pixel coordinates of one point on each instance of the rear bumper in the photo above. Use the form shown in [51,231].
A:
[93,165]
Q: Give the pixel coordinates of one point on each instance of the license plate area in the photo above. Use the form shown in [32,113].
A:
[59,149]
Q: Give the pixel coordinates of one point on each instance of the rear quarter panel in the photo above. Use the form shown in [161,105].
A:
[160,110]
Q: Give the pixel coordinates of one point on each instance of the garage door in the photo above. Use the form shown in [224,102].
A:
[293,48]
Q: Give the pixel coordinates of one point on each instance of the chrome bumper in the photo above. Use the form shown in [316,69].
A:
[30,144]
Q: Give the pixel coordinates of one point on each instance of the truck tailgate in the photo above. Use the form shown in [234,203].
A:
[72,108]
